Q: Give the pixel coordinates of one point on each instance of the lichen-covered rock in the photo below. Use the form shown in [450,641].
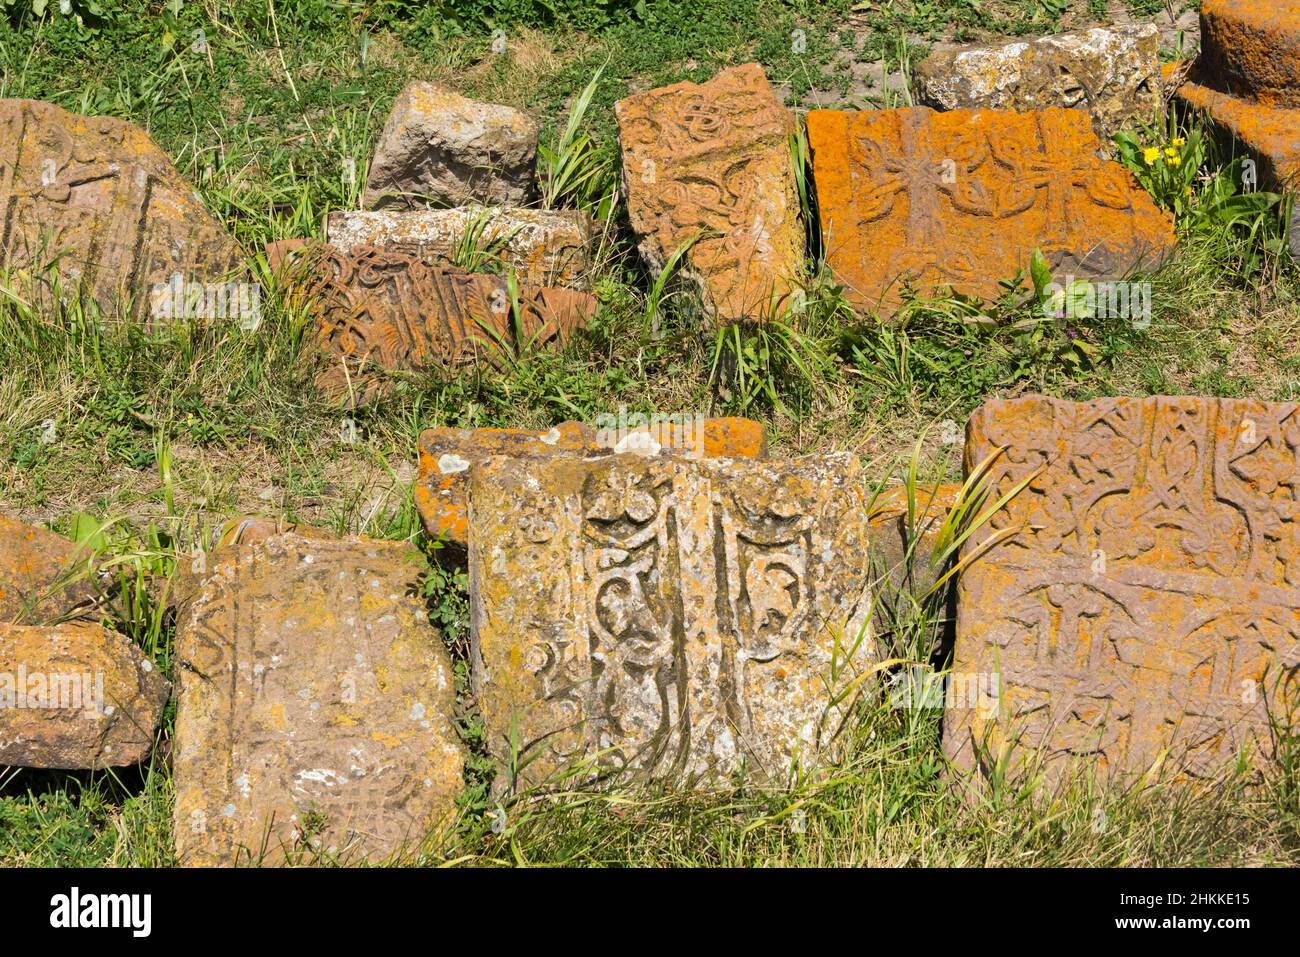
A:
[76,696]
[447,454]
[1114,74]
[386,308]
[709,166]
[96,197]
[906,545]
[1141,603]
[441,148]
[543,247]
[315,707]
[43,576]
[666,615]
[962,199]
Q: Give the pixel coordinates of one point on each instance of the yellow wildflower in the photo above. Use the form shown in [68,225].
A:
[1150,154]
[1170,151]
[1174,161]
[1179,141]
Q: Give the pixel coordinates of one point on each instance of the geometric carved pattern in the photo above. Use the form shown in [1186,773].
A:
[962,199]
[1147,605]
[710,164]
[97,197]
[666,615]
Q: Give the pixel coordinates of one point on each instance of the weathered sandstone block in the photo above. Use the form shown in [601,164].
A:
[447,454]
[1146,606]
[906,546]
[666,615]
[711,164]
[962,199]
[315,707]
[1251,49]
[441,148]
[1114,74]
[42,575]
[391,309]
[76,696]
[543,247]
[95,195]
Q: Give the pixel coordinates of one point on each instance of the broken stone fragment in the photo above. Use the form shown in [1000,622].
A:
[1113,74]
[390,309]
[708,167]
[665,615]
[315,707]
[543,247]
[76,696]
[1140,608]
[960,200]
[440,148]
[43,576]
[95,196]
[906,546]
[446,455]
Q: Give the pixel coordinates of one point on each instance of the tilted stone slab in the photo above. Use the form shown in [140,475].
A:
[710,164]
[315,707]
[962,199]
[666,615]
[441,148]
[543,247]
[1147,602]
[42,575]
[96,197]
[1114,74]
[389,308]
[1251,49]
[76,696]
[447,454]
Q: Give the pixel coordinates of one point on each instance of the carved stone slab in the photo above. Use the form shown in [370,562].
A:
[97,197]
[391,309]
[544,247]
[666,615]
[711,163]
[962,199]
[1148,602]
[1114,74]
[315,707]
[1252,49]
[446,456]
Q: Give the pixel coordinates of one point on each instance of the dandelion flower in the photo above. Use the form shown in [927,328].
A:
[1150,154]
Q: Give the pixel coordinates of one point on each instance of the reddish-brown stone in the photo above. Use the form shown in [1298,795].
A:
[42,575]
[1144,606]
[1251,49]
[962,199]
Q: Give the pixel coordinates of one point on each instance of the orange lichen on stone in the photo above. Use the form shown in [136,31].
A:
[1251,49]
[42,575]
[1141,605]
[447,454]
[962,199]
[667,615]
[76,695]
[315,707]
[95,196]
[709,166]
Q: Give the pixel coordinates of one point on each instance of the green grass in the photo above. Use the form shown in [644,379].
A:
[169,432]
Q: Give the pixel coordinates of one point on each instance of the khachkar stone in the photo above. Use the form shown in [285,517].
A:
[95,196]
[962,199]
[447,454]
[1247,79]
[1147,601]
[43,576]
[76,696]
[441,148]
[314,709]
[543,247]
[709,166]
[391,309]
[666,615]
[1114,74]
